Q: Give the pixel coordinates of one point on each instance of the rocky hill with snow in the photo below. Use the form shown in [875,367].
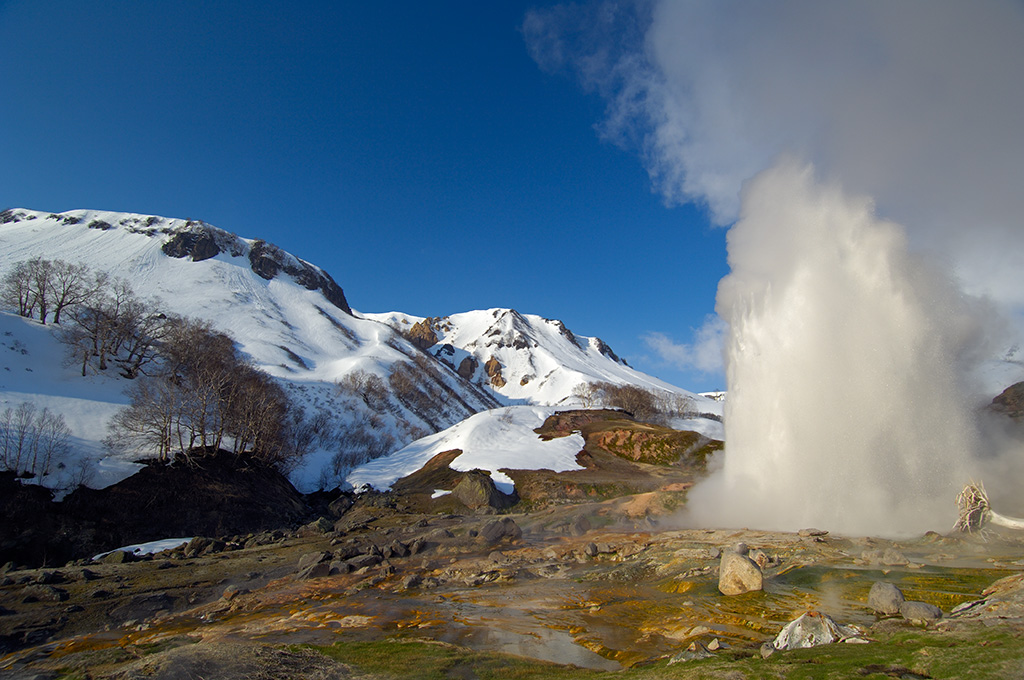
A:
[373,383]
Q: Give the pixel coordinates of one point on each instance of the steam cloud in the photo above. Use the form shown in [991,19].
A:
[850,336]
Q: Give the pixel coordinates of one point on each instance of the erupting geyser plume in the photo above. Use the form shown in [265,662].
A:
[846,358]
[849,337]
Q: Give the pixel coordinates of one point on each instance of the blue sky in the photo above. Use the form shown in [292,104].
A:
[416,151]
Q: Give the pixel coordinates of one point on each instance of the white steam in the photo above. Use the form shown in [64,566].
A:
[849,336]
[846,405]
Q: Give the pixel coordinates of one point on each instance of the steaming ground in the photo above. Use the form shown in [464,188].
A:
[847,366]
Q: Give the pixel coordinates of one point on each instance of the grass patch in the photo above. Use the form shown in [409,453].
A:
[982,655]
[426,660]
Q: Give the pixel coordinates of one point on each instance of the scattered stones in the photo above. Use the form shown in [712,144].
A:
[885,598]
[317,527]
[43,593]
[890,557]
[810,630]
[692,653]
[738,574]
[760,558]
[920,611]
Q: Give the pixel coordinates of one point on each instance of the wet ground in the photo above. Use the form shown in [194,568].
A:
[605,599]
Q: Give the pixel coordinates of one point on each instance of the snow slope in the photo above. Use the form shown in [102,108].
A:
[541,360]
[292,320]
[492,440]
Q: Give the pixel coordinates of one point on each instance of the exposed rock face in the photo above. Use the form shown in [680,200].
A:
[653,446]
[604,349]
[1010,402]
[738,574]
[493,368]
[422,333]
[467,367]
[198,246]
[563,423]
[267,260]
[200,241]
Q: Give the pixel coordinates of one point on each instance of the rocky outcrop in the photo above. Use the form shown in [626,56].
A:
[493,368]
[197,246]
[199,241]
[467,367]
[1010,402]
[422,333]
[267,261]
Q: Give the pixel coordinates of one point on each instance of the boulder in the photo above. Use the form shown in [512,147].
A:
[738,574]
[501,529]
[885,598]
[810,630]
[309,559]
[476,490]
[920,611]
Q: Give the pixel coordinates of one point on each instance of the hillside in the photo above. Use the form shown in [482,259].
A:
[371,384]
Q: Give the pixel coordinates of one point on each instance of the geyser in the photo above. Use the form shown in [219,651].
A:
[846,361]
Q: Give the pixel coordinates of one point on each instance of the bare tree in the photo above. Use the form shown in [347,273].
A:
[69,285]
[16,289]
[205,397]
[586,392]
[32,441]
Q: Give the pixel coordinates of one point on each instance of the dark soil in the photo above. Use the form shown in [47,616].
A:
[218,495]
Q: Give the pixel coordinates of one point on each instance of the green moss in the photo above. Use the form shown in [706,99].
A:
[987,654]
[394,658]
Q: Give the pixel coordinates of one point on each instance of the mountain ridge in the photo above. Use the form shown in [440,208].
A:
[292,320]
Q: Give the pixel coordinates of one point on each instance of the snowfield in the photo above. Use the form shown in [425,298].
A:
[492,440]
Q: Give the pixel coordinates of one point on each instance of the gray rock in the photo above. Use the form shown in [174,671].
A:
[920,611]
[894,558]
[738,574]
[806,533]
[694,652]
[591,550]
[760,558]
[339,567]
[317,570]
[741,548]
[885,598]
[309,559]
[117,557]
[499,529]
[367,560]
[43,593]
[810,630]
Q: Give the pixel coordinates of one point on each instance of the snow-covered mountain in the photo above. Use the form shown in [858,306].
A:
[292,320]
[523,357]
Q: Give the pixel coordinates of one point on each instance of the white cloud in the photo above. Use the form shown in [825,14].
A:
[704,354]
[916,104]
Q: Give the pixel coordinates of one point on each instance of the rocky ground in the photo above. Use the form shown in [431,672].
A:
[586,575]
[580,590]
